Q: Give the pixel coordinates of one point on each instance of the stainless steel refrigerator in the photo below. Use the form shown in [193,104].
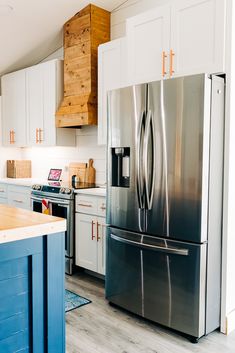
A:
[165,176]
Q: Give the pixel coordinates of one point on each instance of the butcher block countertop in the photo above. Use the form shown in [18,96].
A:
[18,224]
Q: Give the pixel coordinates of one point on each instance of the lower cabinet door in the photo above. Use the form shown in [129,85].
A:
[3,201]
[101,243]
[86,241]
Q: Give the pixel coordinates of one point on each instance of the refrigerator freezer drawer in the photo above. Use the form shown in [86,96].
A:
[159,279]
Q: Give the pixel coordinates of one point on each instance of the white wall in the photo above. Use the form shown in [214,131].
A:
[44,158]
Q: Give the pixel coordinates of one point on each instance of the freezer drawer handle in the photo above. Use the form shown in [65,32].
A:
[183,252]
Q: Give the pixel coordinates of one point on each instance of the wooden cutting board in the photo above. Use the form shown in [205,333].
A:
[90,173]
[78,169]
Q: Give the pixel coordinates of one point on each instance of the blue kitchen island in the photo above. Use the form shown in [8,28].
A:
[32,316]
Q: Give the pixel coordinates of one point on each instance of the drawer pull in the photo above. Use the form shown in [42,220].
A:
[92,230]
[103,208]
[97,225]
[164,57]
[172,54]
[2,190]
[84,205]
[18,201]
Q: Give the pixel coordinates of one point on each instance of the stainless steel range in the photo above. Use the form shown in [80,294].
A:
[60,198]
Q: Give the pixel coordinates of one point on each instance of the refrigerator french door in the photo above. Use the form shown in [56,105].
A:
[165,162]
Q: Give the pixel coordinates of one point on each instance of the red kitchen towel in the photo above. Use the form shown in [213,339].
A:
[45,206]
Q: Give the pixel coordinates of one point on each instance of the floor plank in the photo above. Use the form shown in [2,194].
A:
[101,328]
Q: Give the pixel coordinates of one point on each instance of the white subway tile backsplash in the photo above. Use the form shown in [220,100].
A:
[44,158]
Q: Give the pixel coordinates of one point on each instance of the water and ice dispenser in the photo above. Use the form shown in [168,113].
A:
[121,166]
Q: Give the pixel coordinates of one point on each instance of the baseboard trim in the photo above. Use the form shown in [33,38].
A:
[230,322]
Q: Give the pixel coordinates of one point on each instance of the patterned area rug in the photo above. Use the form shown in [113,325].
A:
[73,301]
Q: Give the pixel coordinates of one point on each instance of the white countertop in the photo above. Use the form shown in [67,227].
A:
[19,224]
[99,191]
[21,181]
[92,191]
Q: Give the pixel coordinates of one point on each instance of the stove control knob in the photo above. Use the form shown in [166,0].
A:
[36,187]
[62,190]
[67,191]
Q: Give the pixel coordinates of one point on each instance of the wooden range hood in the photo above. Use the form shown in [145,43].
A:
[83,33]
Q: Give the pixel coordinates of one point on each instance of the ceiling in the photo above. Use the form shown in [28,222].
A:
[30,30]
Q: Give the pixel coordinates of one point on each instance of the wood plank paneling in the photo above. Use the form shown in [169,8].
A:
[83,33]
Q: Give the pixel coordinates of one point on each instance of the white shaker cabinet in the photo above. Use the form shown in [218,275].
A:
[148,43]
[30,98]
[90,234]
[198,36]
[14,125]
[19,196]
[3,194]
[101,235]
[182,38]
[86,242]
[44,93]
[112,69]
[15,195]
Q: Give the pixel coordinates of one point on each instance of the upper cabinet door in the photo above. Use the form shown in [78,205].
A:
[41,103]
[34,86]
[148,39]
[109,77]
[50,101]
[14,109]
[197,36]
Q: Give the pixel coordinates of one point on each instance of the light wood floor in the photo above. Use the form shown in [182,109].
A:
[101,328]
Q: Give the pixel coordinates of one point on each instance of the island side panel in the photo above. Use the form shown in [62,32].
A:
[56,293]
[32,317]
[17,297]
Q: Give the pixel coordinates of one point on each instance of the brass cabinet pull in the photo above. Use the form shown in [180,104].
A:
[164,56]
[40,135]
[97,231]
[172,54]
[84,205]
[18,201]
[12,136]
[36,135]
[92,230]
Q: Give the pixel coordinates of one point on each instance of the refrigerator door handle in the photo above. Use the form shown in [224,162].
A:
[149,133]
[164,249]
[139,156]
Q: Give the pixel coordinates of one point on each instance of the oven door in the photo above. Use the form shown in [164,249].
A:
[59,208]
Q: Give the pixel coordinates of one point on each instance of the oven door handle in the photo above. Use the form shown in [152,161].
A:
[58,202]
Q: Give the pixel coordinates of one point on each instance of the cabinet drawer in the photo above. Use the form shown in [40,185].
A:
[101,206]
[3,201]
[19,189]
[3,190]
[19,199]
[86,204]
